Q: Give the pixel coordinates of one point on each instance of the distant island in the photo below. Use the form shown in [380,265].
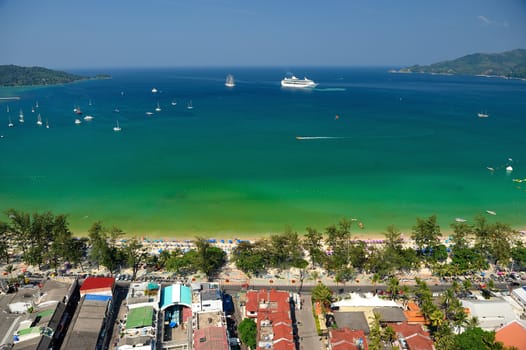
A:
[11,75]
[509,64]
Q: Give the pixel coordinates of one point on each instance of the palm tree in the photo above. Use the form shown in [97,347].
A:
[472,322]
[460,318]
[436,318]
[374,280]
[322,293]
[393,287]
[447,299]
[9,269]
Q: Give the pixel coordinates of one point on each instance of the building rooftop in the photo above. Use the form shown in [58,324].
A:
[210,319]
[390,314]
[512,334]
[86,324]
[347,339]
[413,335]
[491,314]
[211,338]
[352,320]
[176,294]
[97,284]
[139,317]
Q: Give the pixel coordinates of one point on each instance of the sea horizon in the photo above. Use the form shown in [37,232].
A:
[385,149]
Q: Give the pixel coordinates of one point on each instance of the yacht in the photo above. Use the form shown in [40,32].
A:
[230,81]
[154,90]
[39,119]
[298,83]
[149,113]
[88,118]
[117,127]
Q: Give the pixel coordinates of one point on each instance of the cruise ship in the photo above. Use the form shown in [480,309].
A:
[298,83]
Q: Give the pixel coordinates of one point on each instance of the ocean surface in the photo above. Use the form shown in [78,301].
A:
[385,149]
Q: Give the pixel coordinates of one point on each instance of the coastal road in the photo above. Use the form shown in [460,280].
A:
[307,333]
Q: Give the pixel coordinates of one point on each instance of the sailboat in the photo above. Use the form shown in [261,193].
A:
[174,102]
[7,108]
[21,117]
[190,106]
[117,127]
[158,108]
[39,119]
[230,81]
[47,124]
[36,105]
[10,124]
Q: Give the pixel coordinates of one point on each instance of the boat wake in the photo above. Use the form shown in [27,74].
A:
[301,138]
[330,89]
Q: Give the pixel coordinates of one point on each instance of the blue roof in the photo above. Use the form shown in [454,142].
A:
[97,297]
[176,294]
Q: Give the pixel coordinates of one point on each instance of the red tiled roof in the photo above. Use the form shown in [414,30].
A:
[210,338]
[92,283]
[512,334]
[275,300]
[418,341]
[406,329]
[415,336]
[284,345]
[282,331]
[346,339]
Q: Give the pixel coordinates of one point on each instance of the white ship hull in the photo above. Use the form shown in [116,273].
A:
[298,83]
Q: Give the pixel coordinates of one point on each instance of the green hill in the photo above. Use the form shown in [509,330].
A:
[511,64]
[11,75]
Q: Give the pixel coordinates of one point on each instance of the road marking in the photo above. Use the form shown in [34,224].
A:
[9,332]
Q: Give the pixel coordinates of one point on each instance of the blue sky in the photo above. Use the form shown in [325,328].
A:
[129,33]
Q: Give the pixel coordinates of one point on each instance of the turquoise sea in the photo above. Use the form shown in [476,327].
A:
[403,146]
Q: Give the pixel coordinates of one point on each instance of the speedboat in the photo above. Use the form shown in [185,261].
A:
[298,83]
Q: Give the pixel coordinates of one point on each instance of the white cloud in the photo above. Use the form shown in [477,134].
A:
[488,21]
[485,19]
